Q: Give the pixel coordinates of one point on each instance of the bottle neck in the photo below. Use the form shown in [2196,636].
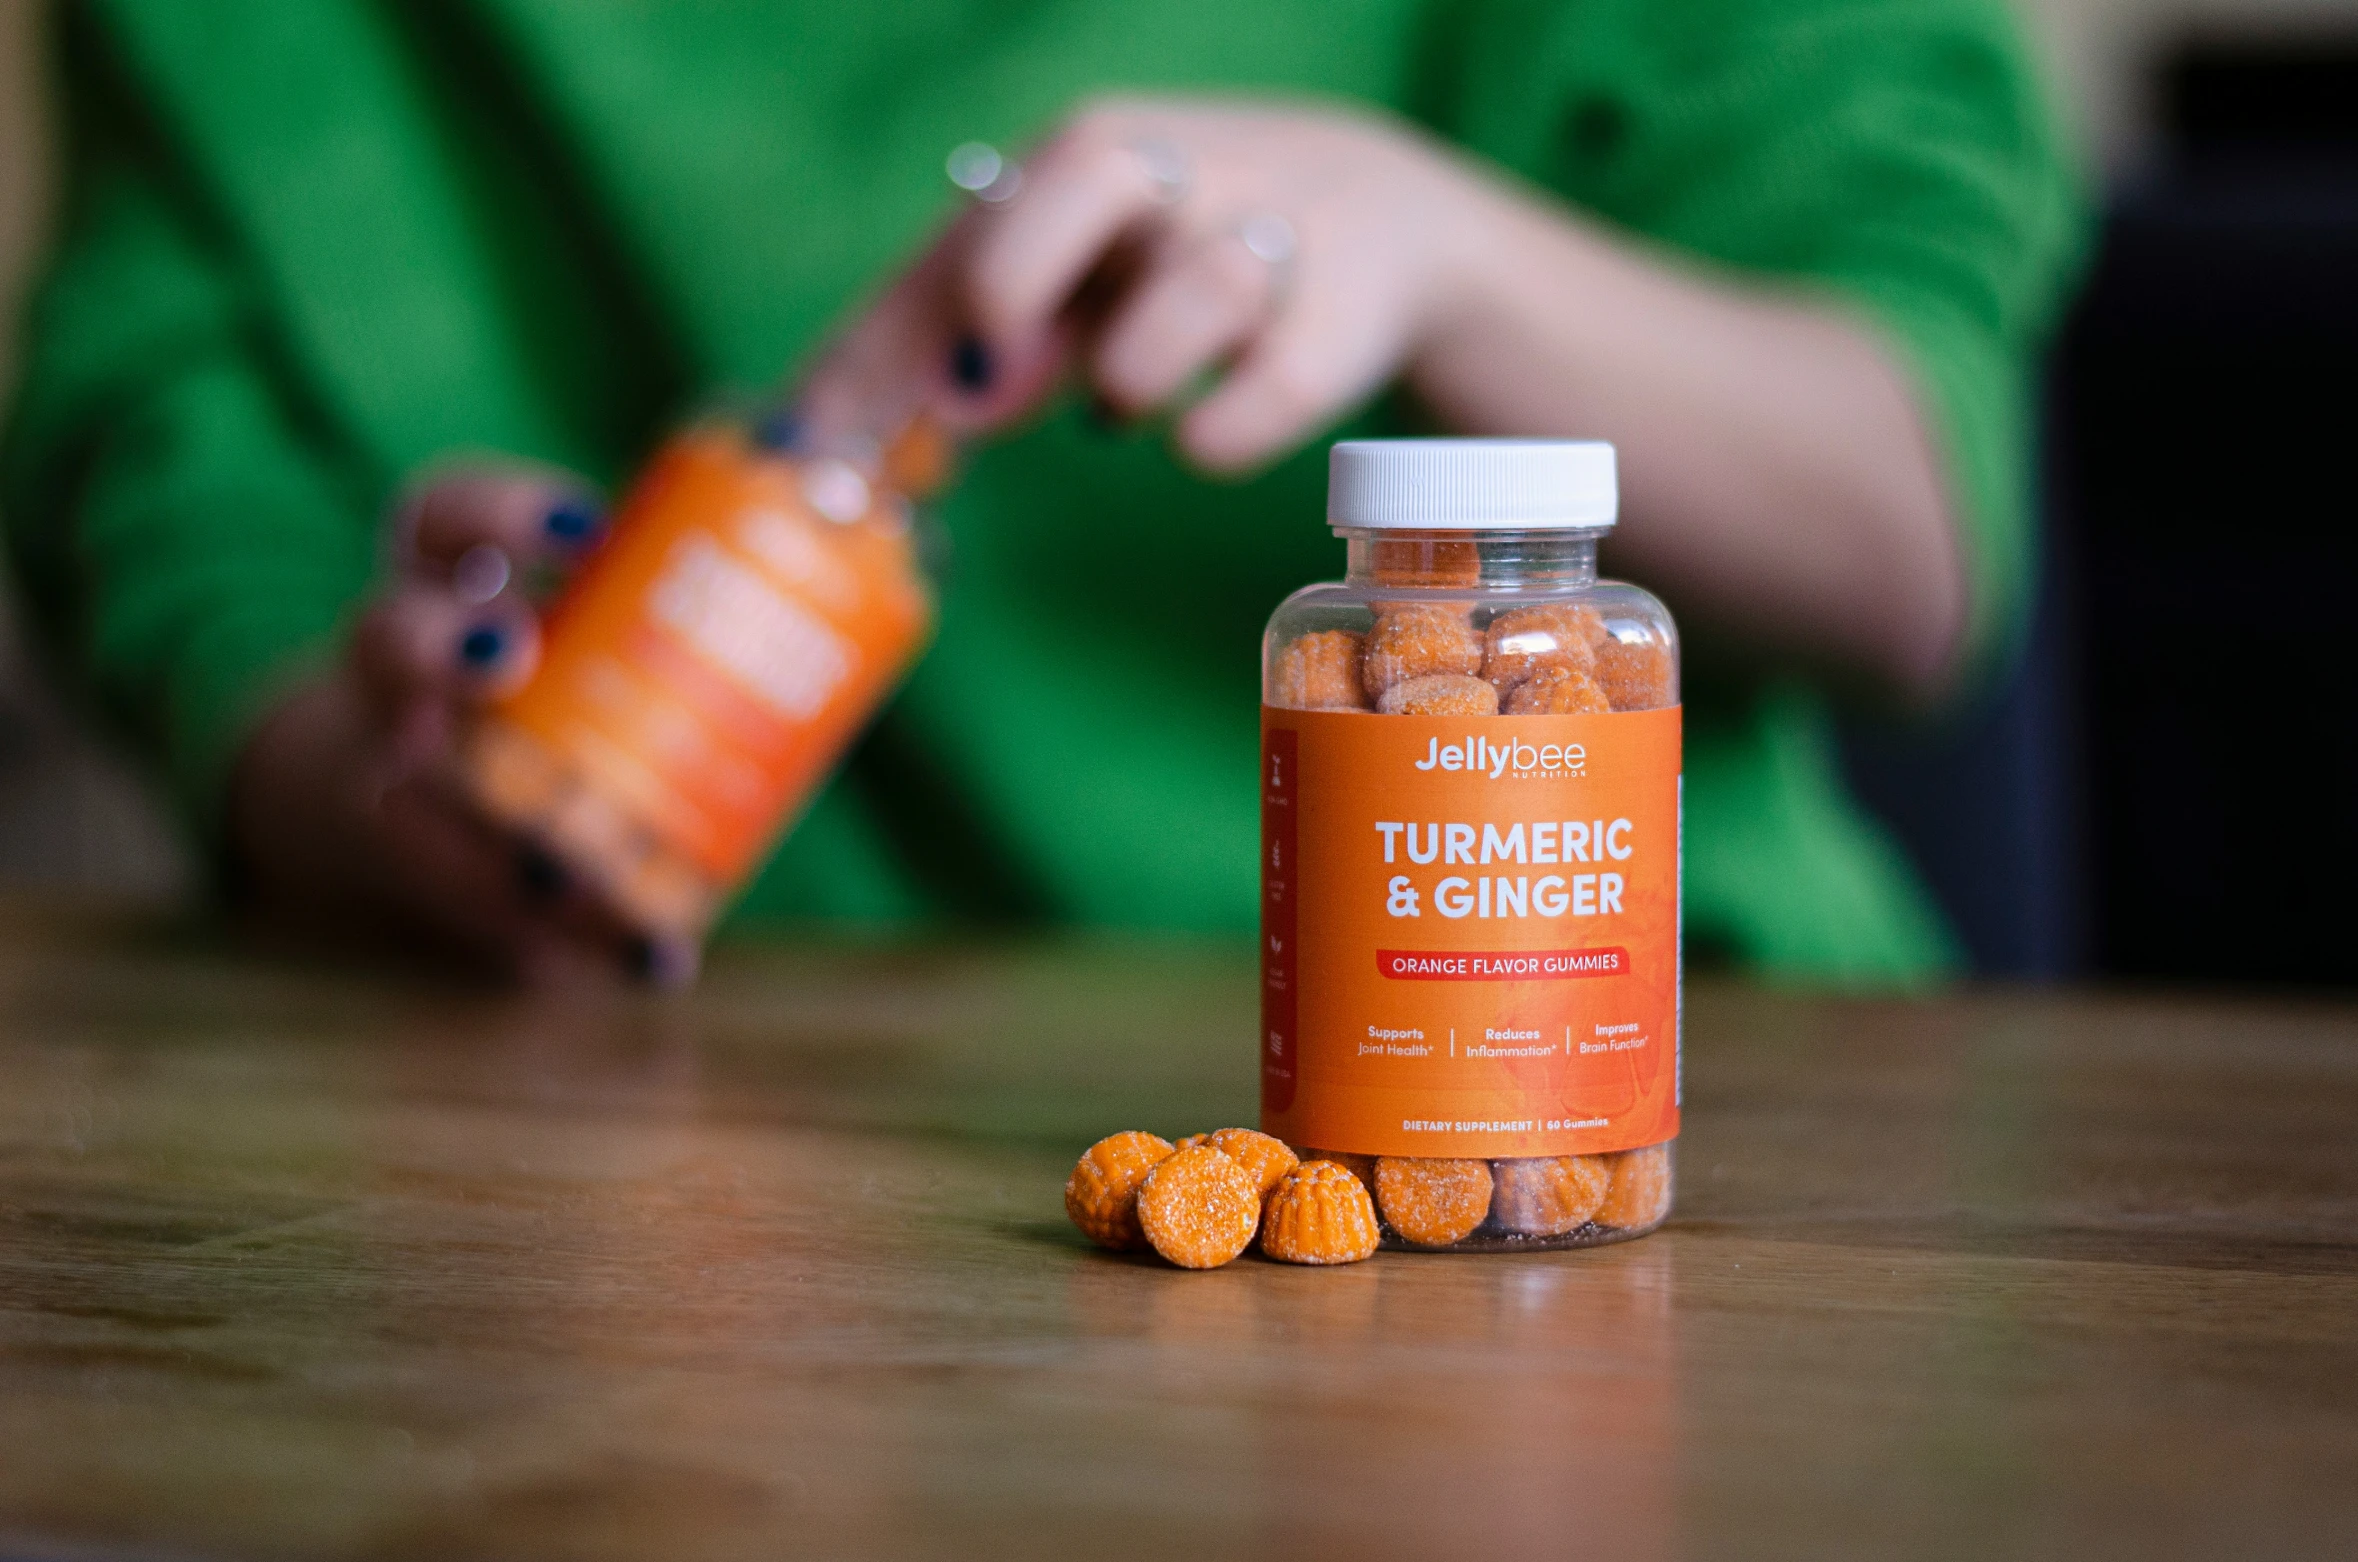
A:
[1502,561]
[910,453]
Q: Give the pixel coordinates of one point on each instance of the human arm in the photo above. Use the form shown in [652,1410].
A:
[1779,480]
[1801,297]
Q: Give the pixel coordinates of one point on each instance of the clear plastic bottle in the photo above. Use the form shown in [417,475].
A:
[1471,831]
[753,602]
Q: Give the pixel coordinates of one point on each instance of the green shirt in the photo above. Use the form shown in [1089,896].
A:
[311,244]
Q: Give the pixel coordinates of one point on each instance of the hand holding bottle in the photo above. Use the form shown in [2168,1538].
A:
[345,811]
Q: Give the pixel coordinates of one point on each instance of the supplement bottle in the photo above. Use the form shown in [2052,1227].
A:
[752,604]
[1470,771]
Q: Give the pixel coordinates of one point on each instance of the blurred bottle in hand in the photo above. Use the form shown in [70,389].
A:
[757,596]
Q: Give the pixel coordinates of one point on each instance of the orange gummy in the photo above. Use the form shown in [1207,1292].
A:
[1433,1203]
[1442,694]
[1319,1214]
[1102,1194]
[1640,1195]
[1549,1195]
[1191,1141]
[1557,691]
[1635,674]
[1198,1208]
[1359,1166]
[1417,640]
[1525,639]
[1319,672]
[1425,561]
[1267,1159]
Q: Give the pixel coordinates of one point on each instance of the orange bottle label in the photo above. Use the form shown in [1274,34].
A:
[1470,932]
[709,665]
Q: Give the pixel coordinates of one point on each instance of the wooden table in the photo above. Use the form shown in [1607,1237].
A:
[304,1264]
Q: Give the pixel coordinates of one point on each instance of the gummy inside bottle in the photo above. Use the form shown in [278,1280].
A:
[1501,1205]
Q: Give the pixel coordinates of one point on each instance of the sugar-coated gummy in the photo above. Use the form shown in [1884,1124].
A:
[1425,561]
[1442,694]
[1359,1166]
[1198,1208]
[1319,672]
[1634,672]
[1557,691]
[1522,640]
[1101,1196]
[1640,1195]
[1543,662]
[1432,1202]
[1319,1213]
[1417,640]
[1267,1158]
[1546,1196]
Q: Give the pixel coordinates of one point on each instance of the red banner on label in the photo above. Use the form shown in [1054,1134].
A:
[1501,965]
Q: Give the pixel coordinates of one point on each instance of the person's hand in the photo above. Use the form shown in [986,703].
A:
[344,811]
[1300,255]
[1259,270]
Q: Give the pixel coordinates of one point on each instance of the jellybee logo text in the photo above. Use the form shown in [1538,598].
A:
[1478,753]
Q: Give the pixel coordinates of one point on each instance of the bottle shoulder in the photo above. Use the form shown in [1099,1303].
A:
[1349,604]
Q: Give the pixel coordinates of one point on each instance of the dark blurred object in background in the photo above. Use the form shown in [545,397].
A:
[2203,412]
[1986,806]
[2167,786]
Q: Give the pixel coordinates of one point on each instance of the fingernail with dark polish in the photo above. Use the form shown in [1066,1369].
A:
[971,365]
[573,521]
[779,431]
[482,645]
[667,964]
[540,875]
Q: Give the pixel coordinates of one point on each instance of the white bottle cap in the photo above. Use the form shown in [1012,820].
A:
[1470,484]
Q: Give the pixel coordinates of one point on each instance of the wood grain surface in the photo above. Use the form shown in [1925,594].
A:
[306,1263]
